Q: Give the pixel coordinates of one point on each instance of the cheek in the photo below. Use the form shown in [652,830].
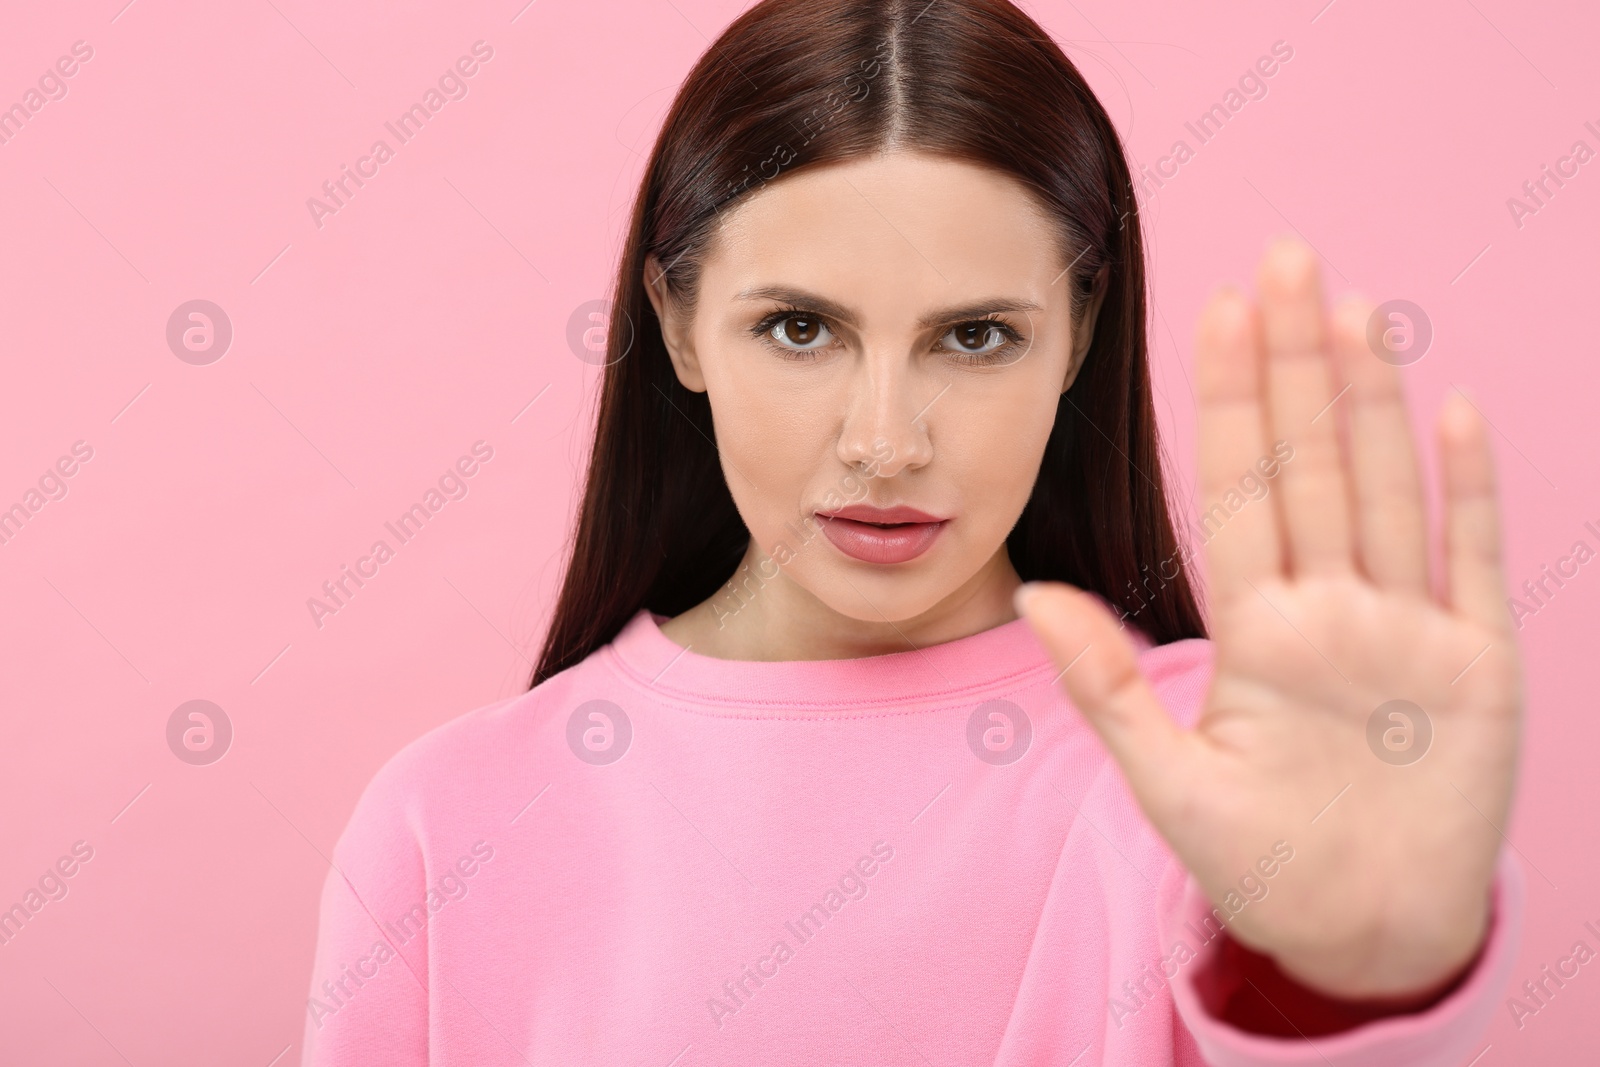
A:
[773,439]
[993,458]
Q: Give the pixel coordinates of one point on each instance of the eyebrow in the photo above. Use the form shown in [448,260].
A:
[837,311]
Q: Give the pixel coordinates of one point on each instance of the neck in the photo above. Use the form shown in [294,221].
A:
[756,617]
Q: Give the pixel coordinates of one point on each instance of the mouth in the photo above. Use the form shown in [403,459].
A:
[881,535]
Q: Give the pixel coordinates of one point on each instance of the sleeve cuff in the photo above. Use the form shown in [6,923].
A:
[1444,1034]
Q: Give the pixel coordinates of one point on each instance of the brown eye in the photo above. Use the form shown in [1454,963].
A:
[977,335]
[799,331]
[977,338]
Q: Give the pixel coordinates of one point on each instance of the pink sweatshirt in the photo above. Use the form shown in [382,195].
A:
[923,858]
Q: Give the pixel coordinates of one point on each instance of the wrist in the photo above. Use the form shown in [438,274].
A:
[1401,969]
[1251,993]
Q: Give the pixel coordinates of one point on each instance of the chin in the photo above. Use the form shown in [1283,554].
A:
[885,596]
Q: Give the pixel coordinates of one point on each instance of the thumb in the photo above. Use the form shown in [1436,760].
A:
[1100,673]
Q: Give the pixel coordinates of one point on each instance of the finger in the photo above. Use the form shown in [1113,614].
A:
[1100,672]
[1313,495]
[1390,517]
[1475,579]
[1241,540]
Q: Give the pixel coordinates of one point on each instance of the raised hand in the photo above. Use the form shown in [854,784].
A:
[1321,612]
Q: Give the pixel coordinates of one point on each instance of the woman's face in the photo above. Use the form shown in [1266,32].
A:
[889,332]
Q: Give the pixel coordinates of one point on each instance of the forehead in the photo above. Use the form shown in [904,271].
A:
[895,231]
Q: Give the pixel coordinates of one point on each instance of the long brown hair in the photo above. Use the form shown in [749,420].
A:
[796,83]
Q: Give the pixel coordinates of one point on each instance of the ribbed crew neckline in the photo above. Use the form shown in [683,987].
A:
[948,673]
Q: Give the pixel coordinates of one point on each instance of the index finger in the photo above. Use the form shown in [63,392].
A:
[1242,541]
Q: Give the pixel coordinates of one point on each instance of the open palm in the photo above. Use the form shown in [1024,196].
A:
[1322,615]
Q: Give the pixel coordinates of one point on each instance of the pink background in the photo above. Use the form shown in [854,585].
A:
[425,315]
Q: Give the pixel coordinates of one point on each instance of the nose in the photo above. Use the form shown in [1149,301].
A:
[885,427]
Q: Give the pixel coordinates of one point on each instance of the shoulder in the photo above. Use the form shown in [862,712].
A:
[485,757]
[1180,674]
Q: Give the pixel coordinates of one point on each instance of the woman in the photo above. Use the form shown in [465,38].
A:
[877,721]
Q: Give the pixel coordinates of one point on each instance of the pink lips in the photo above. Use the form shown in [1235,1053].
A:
[881,535]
